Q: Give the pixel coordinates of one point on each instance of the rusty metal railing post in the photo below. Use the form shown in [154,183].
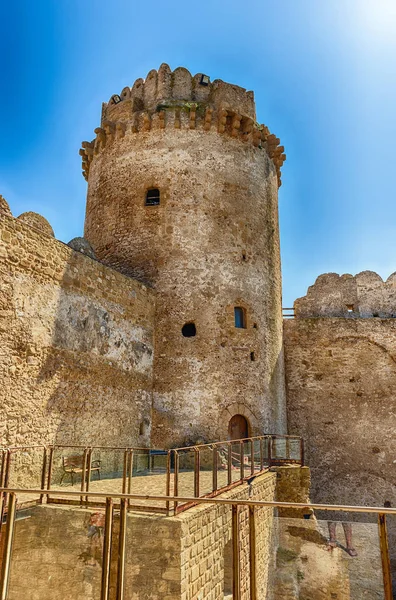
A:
[229,464]
[6,478]
[43,474]
[106,562]
[242,459]
[2,468]
[168,478]
[269,450]
[287,448]
[214,468]
[130,473]
[7,468]
[88,477]
[125,471]
[176,478]
[302,452]
[121,550]
[252,553]
[9,538]
[2,494]
[83,474]
[2,508]
[197,468]
[261,454]
[236,579]
[252,457]
[386,570]
[50,466]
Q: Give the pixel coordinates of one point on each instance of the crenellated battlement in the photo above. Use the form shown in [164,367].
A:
[360,296]
[164,86]
[180,101]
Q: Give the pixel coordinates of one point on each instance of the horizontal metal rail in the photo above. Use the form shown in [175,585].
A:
[274,436]
[217,500]
[250,456]
[235,506]
[145,449]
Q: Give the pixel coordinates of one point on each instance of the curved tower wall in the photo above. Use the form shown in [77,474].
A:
[210,245]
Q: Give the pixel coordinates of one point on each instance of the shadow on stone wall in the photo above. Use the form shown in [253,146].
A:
[77,343]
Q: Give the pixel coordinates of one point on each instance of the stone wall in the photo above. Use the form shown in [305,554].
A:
[341,382]
[293,484]
[53,556]
[206,541]
[189,556]
[308,568]
[168,558]
[76,344]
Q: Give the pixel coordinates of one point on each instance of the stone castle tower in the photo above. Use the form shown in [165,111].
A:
[182,195]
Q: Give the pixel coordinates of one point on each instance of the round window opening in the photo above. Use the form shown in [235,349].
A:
[189,330]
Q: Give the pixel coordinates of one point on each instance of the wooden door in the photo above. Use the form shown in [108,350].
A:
[238,428]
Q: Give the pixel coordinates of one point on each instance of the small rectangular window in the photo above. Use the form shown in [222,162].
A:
[240,317]
[153,197]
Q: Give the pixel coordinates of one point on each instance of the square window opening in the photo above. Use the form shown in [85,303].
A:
[152,197]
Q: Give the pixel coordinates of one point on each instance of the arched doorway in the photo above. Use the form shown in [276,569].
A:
[238,428]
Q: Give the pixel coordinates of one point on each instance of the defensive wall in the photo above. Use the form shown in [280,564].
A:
[340,361]
[76,343]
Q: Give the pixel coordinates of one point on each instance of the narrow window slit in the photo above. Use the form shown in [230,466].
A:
[240,317]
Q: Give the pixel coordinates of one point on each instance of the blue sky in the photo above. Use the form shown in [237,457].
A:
[324,77]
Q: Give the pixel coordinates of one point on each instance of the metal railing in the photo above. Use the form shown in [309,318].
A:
[10,495]
[195,471]
[288,313]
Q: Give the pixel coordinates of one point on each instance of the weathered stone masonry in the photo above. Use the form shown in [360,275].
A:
[211,244]
[91,343]
[341,382]
[79,359]
[340,353]
[182,557]
[76,344]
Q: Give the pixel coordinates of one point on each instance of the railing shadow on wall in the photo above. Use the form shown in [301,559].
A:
[195,471]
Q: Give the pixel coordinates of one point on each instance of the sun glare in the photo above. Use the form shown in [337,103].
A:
[378,18]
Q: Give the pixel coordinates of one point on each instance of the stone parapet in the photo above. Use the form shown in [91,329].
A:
[360,296]
[164,86]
